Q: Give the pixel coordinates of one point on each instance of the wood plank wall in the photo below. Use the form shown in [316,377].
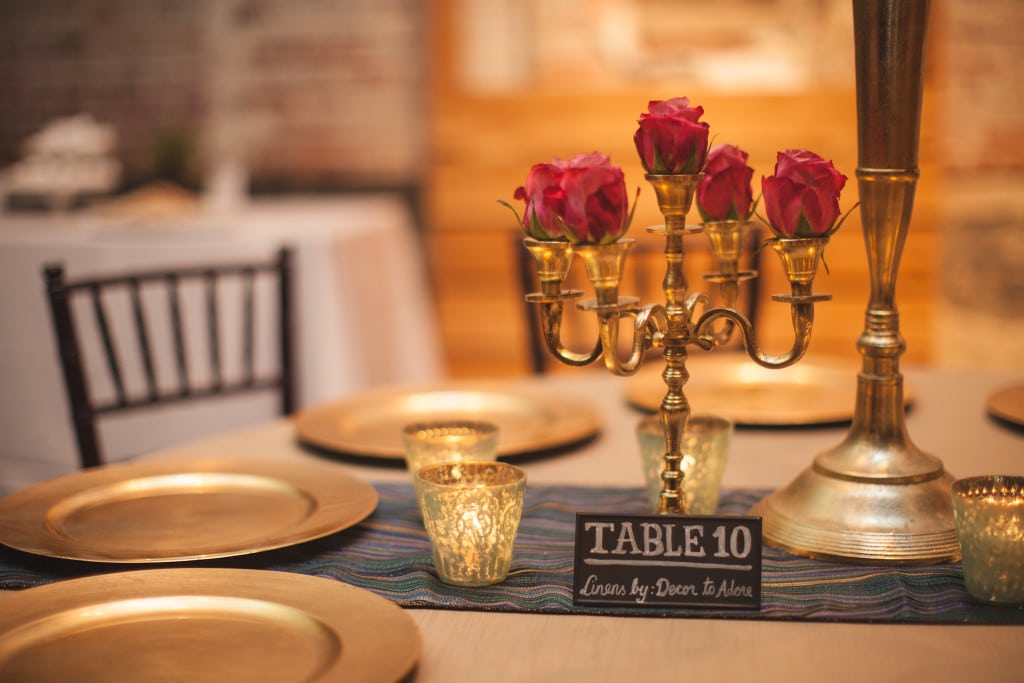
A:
[482,147]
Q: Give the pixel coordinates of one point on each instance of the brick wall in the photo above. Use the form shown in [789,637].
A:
[329,93]
[311,93]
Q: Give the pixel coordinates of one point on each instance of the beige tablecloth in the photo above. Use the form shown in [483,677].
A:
[947,419]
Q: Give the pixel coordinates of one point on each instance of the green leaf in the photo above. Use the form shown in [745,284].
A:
[753,208]
[842,220]
[803,227]
[511,208]
[629,220]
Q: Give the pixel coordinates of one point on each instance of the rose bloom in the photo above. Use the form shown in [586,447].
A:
[671,139]
[802,198]
[724,192]
[597,205]
[582,199]
[545,202]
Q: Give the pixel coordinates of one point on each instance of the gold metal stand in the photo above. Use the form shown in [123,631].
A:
[876,497]
[675,325]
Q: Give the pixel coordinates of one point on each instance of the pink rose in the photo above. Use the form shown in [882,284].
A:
[582,199]
[802,198]
[671,138]
[724,192]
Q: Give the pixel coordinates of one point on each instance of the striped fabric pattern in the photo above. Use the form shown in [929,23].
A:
[389,554]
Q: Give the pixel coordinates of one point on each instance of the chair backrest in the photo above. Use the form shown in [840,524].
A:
[133,348]
[645,269]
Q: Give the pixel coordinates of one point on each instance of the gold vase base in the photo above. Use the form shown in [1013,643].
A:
[825,517]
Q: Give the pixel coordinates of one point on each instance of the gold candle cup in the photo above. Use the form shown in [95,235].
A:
[989,516]
[705,449]
[432,443]
[471,511]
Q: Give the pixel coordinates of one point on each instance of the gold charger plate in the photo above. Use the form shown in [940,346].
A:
[370,424]
[204,626]
[733,386]
[171,510]
[1007,404]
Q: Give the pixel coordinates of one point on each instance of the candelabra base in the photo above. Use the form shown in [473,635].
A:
[822,515]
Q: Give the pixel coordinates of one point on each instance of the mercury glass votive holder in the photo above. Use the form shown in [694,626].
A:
[432,443]
[471,511]
[705,449]
[989,516]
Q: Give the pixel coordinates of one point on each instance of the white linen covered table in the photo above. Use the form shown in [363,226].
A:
[362,308]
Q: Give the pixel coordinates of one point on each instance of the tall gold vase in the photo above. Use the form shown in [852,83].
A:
[876,497]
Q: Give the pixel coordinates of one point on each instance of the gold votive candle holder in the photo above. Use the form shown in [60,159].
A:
[471,511]
[989,516]
[432,443]
[705,450]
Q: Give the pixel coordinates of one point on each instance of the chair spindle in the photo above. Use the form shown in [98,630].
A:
[212,323]
[178,334]
[100,314]
[142,337]
[248,327]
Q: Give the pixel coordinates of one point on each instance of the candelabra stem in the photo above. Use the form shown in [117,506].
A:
[878,446]
[675,409]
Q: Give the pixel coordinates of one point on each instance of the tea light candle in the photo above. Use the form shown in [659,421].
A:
[432,443]
[706,449]
[989,514]
[471,511]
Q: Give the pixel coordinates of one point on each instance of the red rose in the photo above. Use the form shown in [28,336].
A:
[596,206]
[582,199]
[545,202]
[802,198]
[724,192]
[671,138]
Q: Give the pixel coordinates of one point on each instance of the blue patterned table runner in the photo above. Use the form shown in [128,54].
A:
[389,554]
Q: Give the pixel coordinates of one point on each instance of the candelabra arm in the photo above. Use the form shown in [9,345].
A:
[803,319]
[553,258]
[799,257]
[650,325]
[551,326]
[695,299]
[710,338]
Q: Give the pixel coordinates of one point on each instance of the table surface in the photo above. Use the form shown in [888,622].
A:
[362,244]
[947,419]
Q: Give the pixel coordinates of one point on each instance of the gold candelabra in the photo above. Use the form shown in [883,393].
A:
[675,325]
[876,496]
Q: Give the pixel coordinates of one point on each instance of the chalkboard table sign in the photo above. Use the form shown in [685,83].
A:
[668,560]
